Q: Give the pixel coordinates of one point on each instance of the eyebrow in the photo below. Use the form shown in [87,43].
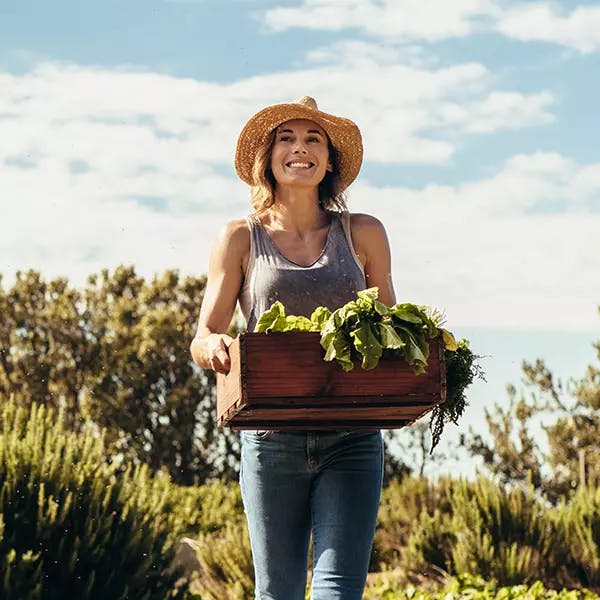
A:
[292,131]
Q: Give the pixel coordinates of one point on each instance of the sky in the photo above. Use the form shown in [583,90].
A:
[118,124]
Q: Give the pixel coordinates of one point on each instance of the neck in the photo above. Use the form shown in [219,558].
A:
[297,209]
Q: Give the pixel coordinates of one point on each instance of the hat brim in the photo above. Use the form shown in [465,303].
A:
[343,133]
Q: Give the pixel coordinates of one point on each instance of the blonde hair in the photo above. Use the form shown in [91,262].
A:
[262,193]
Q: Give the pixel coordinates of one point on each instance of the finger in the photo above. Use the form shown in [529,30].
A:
[220,362]
[217,366]
[224,358]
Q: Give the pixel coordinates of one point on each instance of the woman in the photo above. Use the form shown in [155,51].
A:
[302,247]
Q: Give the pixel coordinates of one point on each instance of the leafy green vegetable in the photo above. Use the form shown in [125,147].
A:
[319,317]
[461,368]
[365,328]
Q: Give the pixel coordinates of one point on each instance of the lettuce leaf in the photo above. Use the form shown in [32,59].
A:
[319,317]
[272,319]
[367,344]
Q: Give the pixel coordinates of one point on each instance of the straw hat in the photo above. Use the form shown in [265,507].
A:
[343,133]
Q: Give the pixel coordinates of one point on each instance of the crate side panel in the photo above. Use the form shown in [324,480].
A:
[285,364]
[291,364]
[229,386]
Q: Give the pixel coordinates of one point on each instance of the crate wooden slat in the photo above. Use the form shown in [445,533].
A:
[280,381]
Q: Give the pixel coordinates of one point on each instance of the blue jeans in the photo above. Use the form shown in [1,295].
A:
[297,482]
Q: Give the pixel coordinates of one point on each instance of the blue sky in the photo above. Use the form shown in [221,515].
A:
[118,122]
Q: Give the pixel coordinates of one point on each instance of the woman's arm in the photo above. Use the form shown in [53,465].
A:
[225,276]
[373,249]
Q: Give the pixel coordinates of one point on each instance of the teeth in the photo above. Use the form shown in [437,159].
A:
[297,164]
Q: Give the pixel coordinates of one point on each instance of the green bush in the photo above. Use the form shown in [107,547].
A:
[226,570]
[223,546]
[402,502]
[426,531]
[386,586]
[509,535]
[70,525]
[582,523]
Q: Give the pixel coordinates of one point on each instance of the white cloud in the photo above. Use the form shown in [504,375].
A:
[357,52]
[122,122]
[545,22]
[402,21]
[509,110]
[491,252]
[85,153]
[392,19]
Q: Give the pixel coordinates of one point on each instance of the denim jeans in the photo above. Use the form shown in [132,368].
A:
[297,482]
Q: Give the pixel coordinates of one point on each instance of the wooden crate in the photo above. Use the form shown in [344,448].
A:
[280,381]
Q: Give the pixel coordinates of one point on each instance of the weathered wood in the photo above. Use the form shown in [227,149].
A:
[280,381]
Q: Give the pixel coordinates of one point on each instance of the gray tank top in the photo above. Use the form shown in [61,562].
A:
[332,280]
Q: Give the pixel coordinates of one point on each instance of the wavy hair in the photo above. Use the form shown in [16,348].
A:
[262,193]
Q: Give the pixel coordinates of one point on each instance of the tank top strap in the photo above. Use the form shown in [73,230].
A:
[344,217]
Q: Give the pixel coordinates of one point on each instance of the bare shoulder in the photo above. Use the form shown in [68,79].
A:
[236,230]
[234,236]
[231,247]
[363,224]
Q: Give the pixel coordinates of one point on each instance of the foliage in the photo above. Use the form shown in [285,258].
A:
[402,502]
[226,571]
[510,535]
[510,460]
[582,523]
[70,524]
[223,547]
[116,353]
[461,368]
[570,416]
[428,531]
[387,586]
[364,328]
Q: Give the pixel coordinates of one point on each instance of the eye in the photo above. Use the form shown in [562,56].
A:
[284,138]
[314,139]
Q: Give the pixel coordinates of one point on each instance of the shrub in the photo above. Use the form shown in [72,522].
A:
[386,586]
[223,547]
[582,523]
[509,535]
[226,570]
[402,502]
[70,526]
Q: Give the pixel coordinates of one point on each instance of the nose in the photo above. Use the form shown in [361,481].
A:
[299,148]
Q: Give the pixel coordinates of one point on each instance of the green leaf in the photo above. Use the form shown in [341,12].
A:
[406,312]
[369,294]
[337,346]
[348,312]
[271,319]
[381,308]
[389,337]
[416,351]
[367,344]
[320,317]
[297,323]
[449,341]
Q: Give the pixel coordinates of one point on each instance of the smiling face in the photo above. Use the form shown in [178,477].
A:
[300,154]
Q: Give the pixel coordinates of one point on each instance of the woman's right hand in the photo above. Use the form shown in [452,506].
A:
[217,352]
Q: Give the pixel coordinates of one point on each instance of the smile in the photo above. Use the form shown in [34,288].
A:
[299,165]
